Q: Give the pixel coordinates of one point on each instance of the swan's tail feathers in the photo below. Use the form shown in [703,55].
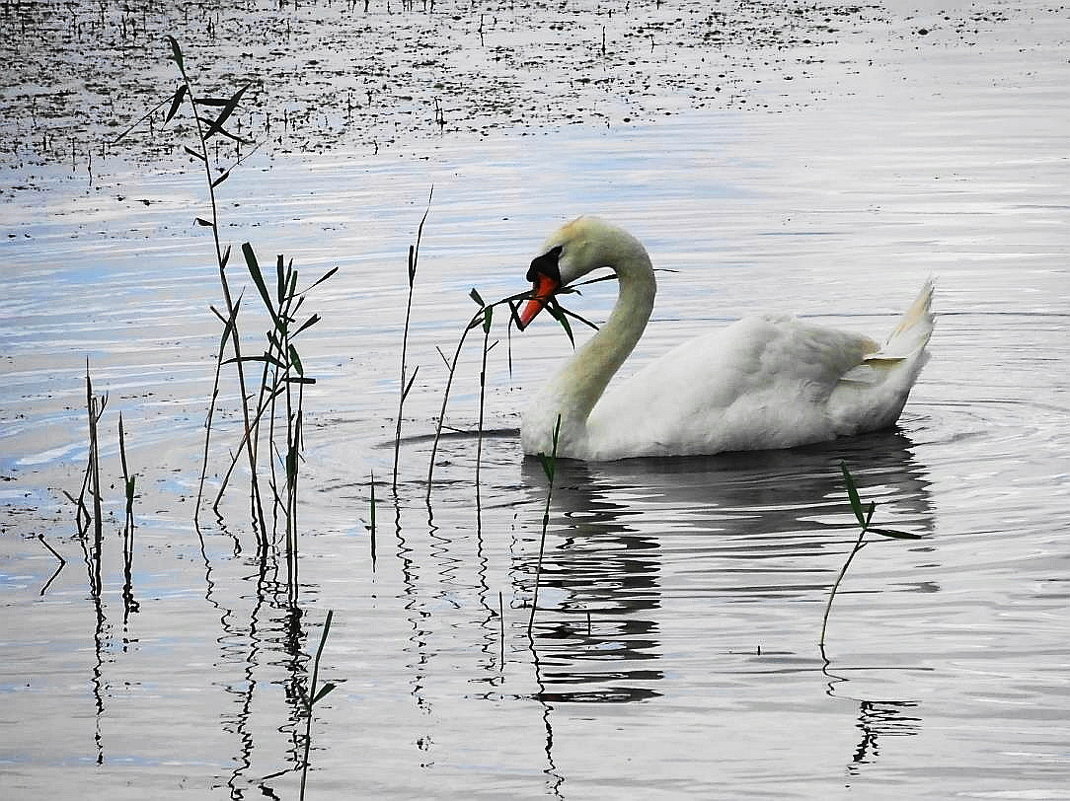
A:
[903,354]
[915,327]
[871,396]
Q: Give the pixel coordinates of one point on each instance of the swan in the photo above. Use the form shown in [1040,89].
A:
[767,381]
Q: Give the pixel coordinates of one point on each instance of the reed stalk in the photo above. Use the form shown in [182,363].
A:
[95,414]
[549,467]
[228,324]
[283,379]
[315,694]
[91,483]
[501,632]
[451,371]
[129,486]
[487,322]
[864,515]
[59,568]
[207,128]
[405,383]
[371,519]
[129,481]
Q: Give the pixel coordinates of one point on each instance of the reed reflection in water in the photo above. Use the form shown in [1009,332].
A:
[709,533]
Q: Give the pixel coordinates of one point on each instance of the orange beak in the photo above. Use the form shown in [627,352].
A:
[545,287]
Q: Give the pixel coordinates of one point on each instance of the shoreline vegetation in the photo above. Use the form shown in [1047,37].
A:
[342,75]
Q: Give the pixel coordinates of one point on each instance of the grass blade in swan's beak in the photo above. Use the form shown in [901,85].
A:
[544,289]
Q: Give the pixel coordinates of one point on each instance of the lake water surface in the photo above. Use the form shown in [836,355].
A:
[675,651]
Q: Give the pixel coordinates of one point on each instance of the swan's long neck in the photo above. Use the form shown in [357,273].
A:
[574,391]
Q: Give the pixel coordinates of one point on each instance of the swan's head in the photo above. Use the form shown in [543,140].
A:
[575,249]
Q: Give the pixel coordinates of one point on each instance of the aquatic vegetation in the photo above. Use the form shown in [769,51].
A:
[95,406]
[59,557]
[549,468]
[864,515]
[281,390]
[207,127]
[129,486]
[312,696]
[651,59]
[273,421]
[371,526]
[484,319]
[487,324]
[405,382]
[270,399]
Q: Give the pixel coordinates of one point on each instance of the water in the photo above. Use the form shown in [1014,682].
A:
[675,652]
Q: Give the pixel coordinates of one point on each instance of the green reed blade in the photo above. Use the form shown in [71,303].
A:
[176,102]
[852,495]
[176,53]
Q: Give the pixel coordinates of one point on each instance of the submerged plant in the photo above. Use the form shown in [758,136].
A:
[864,515]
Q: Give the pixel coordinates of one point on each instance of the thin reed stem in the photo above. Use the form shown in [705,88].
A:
[451,366]
[501,632]
[405,382]
[95,414]
[59,568]
[371,519]
[129,482]
[859,544]
[483,318]
[52,550]
[549,466]
[864,515]
[228,323]
[315,693]
[482,401]
[222,257]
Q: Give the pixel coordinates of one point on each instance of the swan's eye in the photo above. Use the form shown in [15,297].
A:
[546,264]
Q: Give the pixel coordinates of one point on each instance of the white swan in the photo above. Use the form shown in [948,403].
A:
[766,381]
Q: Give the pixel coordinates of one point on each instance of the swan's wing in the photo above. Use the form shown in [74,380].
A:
[760,382]
[754,354]
[763,382]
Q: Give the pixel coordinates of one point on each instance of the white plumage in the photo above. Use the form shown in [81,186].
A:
[767,381]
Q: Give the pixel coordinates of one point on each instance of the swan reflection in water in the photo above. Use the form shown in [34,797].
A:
[752,527]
